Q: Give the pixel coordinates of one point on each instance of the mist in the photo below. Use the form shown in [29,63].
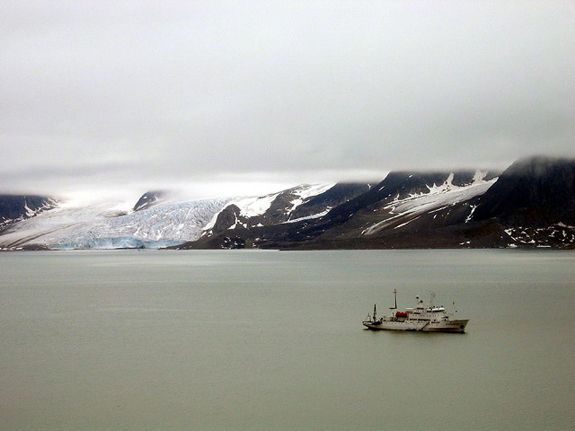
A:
[228,97]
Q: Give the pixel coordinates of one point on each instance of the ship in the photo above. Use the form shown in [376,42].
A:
[421,318]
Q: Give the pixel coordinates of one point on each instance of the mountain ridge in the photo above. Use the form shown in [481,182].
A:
[450,209]
[15,208]
[529,204]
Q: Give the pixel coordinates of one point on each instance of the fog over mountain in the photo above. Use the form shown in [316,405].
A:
[531,204]
[260,95]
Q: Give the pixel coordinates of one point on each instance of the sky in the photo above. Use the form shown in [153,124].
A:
[227,97]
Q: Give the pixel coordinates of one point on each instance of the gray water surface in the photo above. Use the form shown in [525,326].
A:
[216,340]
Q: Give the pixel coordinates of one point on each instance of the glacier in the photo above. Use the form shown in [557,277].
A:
[101,226]
[436,198]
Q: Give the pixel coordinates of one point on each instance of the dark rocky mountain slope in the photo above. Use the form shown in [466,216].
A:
[530,204]
[354,220]
[538,191]
[15,208]
[274,215]
[149,199]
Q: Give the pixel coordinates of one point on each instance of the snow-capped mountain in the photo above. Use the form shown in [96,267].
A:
[280,207]
[403,197]
[15,208]
[402,211]
[359,214]
[531,204]
[287,207]
[102,226]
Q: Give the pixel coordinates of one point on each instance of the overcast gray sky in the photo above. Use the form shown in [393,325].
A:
[138,94]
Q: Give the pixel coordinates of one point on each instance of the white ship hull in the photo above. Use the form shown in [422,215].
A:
[457,326]
[420,318]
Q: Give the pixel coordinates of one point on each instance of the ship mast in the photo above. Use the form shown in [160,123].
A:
[374,312]
[394,300]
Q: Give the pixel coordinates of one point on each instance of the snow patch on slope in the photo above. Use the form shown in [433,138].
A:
[305,192]
[558,233]
[438,196]
[251,207]
[309,217]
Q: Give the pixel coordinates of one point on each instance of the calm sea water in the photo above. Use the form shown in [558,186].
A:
[216,340]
